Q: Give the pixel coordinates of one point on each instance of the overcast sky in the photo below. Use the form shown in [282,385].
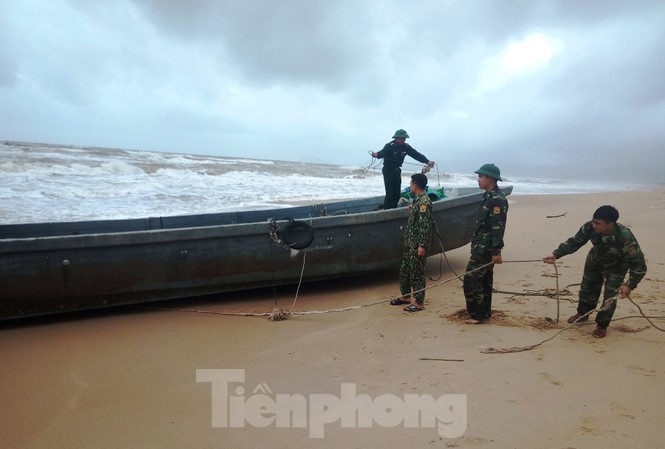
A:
[541,88]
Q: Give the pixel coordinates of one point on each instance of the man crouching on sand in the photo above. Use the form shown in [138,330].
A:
[615,251]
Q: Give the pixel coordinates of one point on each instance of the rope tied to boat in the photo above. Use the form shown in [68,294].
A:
[289,238]
[273,231]
[277,314]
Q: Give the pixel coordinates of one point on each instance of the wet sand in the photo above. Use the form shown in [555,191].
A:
[127,378]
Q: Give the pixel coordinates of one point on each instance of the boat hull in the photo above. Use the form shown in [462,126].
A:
[44,269]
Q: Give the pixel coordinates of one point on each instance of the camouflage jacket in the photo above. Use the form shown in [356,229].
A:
[490,224]
[419,228]
[617,250]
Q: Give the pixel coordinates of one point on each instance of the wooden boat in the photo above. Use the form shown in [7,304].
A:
[47,268]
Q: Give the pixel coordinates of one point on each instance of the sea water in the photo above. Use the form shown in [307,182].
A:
[54,183]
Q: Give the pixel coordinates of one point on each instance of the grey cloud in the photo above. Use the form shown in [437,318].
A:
[290,41]
[230,77]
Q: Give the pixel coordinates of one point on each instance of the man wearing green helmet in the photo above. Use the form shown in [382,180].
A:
[614,253]
[486,245]
[393,154]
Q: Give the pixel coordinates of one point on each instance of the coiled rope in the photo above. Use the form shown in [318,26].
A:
[376,163]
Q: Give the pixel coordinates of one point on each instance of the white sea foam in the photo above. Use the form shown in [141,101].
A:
[51,183]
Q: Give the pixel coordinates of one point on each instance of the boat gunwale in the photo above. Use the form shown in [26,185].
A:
[151,236]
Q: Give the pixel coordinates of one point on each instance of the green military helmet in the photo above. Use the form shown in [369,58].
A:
[490,170]
[401,133]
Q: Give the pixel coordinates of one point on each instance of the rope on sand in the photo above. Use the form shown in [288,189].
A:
[441,360]
[556,276]
[278,314]
[606,304]
[644,316]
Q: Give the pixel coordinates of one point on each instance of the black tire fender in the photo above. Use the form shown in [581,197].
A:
[298,235]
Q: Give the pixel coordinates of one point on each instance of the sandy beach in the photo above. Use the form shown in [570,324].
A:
[127,378]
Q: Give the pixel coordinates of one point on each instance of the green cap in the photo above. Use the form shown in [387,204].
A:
[490,170]
[401,133]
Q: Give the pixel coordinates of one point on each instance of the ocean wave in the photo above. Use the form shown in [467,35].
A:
[51,183]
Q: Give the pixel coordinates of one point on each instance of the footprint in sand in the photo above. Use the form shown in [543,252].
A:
[548,377]
[621,411]
[588,426]
[641,371]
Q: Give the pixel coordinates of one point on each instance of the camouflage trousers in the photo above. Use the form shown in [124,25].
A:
[412,275]
[478,287]
[593,280]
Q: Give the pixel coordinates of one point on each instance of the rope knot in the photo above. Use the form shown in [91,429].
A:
[278,314]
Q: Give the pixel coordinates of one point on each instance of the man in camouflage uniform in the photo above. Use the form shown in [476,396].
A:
[615,251]
[416,240]
[393,154]
[486,245]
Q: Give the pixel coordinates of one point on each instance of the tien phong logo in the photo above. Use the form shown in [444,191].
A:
[235,407]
